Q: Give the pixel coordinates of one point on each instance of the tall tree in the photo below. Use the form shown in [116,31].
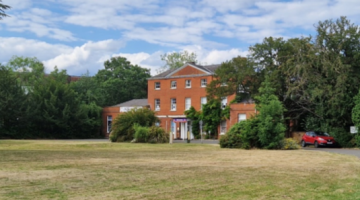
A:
[176,59]
[271,127]
[3,7]
[121,81]
[13,103]
[326,79]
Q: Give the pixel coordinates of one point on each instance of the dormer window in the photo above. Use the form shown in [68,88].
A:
[188,83]
[173,84]
[203,82]
[157,85]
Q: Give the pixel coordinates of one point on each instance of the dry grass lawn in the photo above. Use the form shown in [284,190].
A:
[96,170]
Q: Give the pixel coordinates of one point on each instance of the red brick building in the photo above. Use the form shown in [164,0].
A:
[174,91]
[110,113]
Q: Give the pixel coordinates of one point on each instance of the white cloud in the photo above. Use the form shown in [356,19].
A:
[89,57]
[39,21]
[13,46]
[17,4]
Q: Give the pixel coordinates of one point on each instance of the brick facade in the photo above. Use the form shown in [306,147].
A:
[160,90]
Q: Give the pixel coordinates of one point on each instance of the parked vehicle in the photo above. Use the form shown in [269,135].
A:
[317,138]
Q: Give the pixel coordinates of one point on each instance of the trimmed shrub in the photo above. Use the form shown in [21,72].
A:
[157,135]
[122,129]
[343,137]
[232,138]
[249,133]
[289,144]
[141,133]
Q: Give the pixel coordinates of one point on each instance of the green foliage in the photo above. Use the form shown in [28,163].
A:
[249,133]
[57,112]
[271,127]
[176,60]
[157,135]
[343,137]
[141,133]
[12,105]
[289,144]
[232,139]
[3,7]
[242,135]
[239,76]
[195,117]
[211,115]
[89,90]
[356,117]
[121,81]
[123,125]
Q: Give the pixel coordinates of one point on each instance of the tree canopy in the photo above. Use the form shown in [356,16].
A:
[121,81]
[177,59]
[3,7]
[314,77]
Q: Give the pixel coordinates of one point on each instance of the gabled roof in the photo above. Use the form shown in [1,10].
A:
[133,102]
[207,69]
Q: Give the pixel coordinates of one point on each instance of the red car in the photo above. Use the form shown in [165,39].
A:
[317,138]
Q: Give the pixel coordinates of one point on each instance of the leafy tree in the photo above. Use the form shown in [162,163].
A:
[211,115]
[57,111]
[195,117]
[176,59]
[123,125]
[89,90]
[326,76]
[13,103]
[271,127]
[121,81]
[27,70]
[356,117]
[240,78]
[3,7]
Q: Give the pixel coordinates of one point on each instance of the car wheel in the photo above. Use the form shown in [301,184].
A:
[316,145]
[303,143]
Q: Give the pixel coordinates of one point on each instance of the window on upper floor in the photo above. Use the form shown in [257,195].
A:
[203,101]
[173,84]
[188,83]
[223,102]
[203,82]
[157,85]
[173,105]
[187,103]
[157,104]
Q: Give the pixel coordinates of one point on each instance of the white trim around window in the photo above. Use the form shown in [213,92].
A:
[157,104]
[203,82]
[187,83]
[187,103]
[157,85]
[203,101]
[173,105]
[173,84]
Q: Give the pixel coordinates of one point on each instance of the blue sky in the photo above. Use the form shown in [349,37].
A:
[79,35]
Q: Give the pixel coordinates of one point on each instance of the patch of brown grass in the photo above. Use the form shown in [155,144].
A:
[88,170]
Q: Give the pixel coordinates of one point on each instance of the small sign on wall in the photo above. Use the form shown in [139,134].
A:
[353,129]
[180,120]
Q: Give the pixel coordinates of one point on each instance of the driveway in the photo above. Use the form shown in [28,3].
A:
[353,152]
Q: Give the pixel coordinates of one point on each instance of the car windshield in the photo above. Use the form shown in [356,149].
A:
[321,134]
